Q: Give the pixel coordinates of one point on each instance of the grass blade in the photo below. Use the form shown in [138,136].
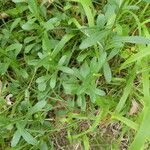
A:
[143,53]
[143,134]
[86,142]
[133,39]
[126,121]
[127,91]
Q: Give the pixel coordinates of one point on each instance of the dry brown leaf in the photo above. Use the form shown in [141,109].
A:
[3,15]
[134,108]
[8,99]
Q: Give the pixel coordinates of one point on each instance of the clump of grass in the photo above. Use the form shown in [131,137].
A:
[74,74]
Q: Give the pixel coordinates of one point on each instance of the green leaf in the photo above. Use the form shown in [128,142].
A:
[83,103]
[16,11]
[61,112]
[126,121]
[81,57]
[88,12]
[23,73]
[37,107]
[27,95]
[18,1]
[49,25]
[127,91]
[15,139]
[53,80]
[143,134]
[107,72]
[62,60]
[86,142]
[3,68]
[46,43]
[111,21]
[66,70]
[93,39]
[14,47]
[28,137]
[87,5]
[30,25]
[147,1]
[99,92]
[42,79]
[33,7]
[75,21]
[61,44]
[101,60]
[113,53]
[79,100]
[29,39]
[15,24]
[84,70]
[133,39]
[69,88]
[92,96]
[43,146]
[101,21]
[138,56]
[29,48]
[42,86]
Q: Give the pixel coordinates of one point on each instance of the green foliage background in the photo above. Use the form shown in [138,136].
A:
[75,69]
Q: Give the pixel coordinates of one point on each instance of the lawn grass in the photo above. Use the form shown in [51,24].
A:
[74,74]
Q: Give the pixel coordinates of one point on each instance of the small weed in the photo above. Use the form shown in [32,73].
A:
[74,74]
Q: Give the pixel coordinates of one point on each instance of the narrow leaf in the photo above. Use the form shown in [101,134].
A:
[67,70]
[86,142]
[33,7]
[107,72]
[93,39]
[53,80]
[133,39]
[15,139]
[61,44]
[127,91]
[15,23]
[46,43]
[37,107]
[28,137]
[126,121]
[143,53]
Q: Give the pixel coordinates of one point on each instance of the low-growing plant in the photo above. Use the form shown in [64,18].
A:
[72,70]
